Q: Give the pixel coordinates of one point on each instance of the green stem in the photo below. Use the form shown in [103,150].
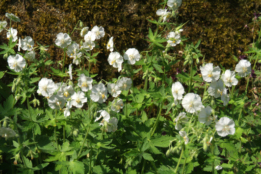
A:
[87,132]
[157,121]
[63,59]
[247,85]
[190,77]
[212,151]
[55,137]
[63,133]
[143,166]
[183,169]
[181,154]
[146,83]
[74,28]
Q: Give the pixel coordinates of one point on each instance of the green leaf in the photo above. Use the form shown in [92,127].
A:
[76,167]
[227,166]
[162,141]
[147,156]
[40,166]
[158,68]
[2,73]
[35,79]
[101,169]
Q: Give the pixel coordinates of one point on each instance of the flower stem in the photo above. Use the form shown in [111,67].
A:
[157,121]
[55,137]
[87,132]
[63,59]
[181,154]
[143,166]
[190,77]
[183,169]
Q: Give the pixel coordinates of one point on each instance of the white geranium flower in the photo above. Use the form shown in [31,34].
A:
[27,43]
[85,83]
[30,55]
[225,126]
[103,114]
[173,39]
[16,63]
[124,83]
[66,112]
[12,32]
[177,90]
[132,55]
[225,97]
[216,88]
[229,78]
[181,119]
[70,71]
[218,167]
[84,31]
[98,31]
[78,99]
[116,60]
[56,102]
[7,132]
[205,116]
[46,87]
[99,93]
[64,90]
[114,89]
[210,73]
[63,40]
[164,14]
[192,103]
[77,58]
[117,105]
[3,25]
[88,45]
[110,44]
[184,135]
[72,50]
[174,3]
[90,36]
[12,17]
[112,125]
[243,68]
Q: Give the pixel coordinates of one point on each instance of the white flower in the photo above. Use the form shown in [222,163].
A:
[12,17]
[85,83]
[27,43]
[16,63]
[218,167]
[3,25]
[72,50]
[181,119]
[177,90]
[116,60]
[113,89]
[103,114]
[225,126]
[205,116]
[90,36]
[110,44]
[210,73]
[225,97]
[64,90]
[12,32]
[63,40]
[56,102]
[174,3]
[164,14]
[70,71]
[173,39]
[183,134]
[117,105]
[99,93]
[78,99]
[192,103]
[19,44]
[132,55]
[77,58]
[66,112]
[124,83]
[243,68]
[216,88]
[30,55]
[88,45]
[112,125]
[84,31]
[98,31]
[46,87]
[229,78]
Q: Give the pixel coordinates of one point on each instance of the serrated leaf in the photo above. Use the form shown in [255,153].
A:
[162,141]
[158,68]
[76,167]
[147,156]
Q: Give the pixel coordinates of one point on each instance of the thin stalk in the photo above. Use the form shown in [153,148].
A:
[146,83]
[183,169]
[157,121]
[63,58]
[181,154]
[55,137]
[87,132]
[190,77]
[74,28]
[63,133]
[143,166]
[213,163]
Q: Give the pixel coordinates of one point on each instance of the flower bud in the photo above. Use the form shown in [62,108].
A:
[15,162]
[81,24]
[5,55]
[212,103]
[70,83]
[35,102]
[150,79]
[75,132]
[98,145]
[168,153]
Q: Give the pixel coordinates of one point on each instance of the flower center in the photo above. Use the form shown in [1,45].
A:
[78,100]
[84,84]
[173,41]
[125,86]
[191,104]
[62,41]
[210,75]
[103,96]
[118,107]
[244,69]
[58,103]
[66,93]
[131,57]
[14,64]
[225,128]
[220,92]
[112,62]
[44,88]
